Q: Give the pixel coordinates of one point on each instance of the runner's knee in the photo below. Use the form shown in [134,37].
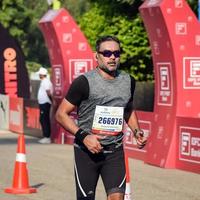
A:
[115,196]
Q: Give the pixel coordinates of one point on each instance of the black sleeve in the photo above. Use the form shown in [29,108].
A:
[132,88]
[129,106]
[78,91]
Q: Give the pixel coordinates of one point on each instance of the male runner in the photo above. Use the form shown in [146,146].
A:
[103,98]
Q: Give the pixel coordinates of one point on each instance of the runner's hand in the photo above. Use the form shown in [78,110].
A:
[140,138]
[92,143]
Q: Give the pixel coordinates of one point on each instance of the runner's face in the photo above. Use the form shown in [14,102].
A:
[107,61]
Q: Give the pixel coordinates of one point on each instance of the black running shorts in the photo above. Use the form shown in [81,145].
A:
[88,168]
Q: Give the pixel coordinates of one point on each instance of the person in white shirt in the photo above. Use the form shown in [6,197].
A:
[45,100]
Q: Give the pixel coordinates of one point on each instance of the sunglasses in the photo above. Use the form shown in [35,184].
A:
[108,53]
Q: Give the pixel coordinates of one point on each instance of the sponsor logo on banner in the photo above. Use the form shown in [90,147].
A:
[191,73]
[57,80]
[165,84]
[158,32]
[78,67]
[156,48]
[178,3]
[67,37]
[160,133]
[189,144]
[65,19]
[130,141]
[181,28]
[10,71]
[82,46]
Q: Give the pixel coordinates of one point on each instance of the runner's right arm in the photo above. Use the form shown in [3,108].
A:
[78,91]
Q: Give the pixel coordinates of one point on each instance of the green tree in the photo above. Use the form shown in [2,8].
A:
[21,17]
[95,17]
[76,8]
[121,18]
[15,19]
[113,19]
[38,53]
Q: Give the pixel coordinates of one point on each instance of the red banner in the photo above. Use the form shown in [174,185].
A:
[13,72]
[173,31]
[16,115]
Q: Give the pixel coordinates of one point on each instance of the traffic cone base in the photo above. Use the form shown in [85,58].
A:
[20,191]
[20,179]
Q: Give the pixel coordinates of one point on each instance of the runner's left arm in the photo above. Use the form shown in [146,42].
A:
[132,120]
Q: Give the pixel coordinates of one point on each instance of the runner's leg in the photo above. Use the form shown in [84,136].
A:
[113,174]
[86,174]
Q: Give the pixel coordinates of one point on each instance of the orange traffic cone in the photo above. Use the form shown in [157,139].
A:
[20,178]
[127,195]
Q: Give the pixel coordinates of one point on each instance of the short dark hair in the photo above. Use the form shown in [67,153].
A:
[105,39]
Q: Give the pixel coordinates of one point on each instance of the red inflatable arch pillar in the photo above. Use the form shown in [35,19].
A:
[174,34]
[70,56]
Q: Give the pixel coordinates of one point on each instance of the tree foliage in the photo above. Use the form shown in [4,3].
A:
[95,17]
[21,17]
[115,19]
[121,18]
[77,7]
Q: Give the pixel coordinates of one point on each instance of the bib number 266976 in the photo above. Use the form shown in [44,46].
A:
[108,120]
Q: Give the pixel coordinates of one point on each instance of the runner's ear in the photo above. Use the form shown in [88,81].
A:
[95,56]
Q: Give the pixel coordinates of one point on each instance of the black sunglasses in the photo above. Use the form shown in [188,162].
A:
[108,53]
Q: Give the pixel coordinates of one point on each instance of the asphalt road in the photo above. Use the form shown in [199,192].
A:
[50,169]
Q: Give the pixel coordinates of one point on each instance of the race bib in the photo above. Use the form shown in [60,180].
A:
[108,120]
